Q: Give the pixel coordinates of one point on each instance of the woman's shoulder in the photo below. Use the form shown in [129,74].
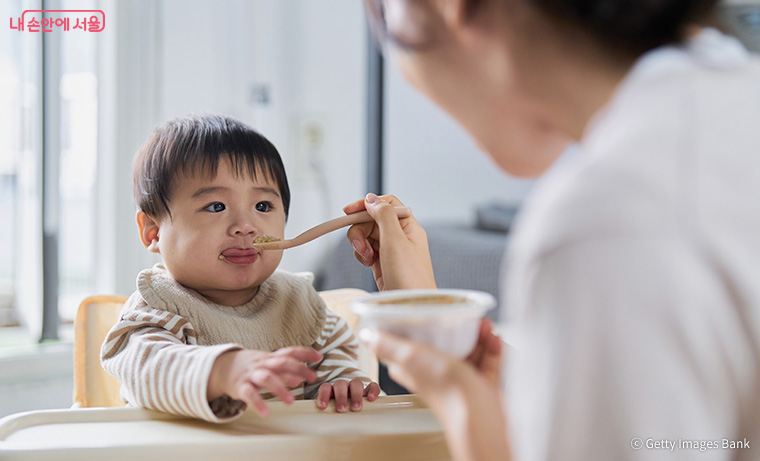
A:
[587,198]
[673,153]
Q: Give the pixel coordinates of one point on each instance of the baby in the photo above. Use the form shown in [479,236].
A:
[215,328]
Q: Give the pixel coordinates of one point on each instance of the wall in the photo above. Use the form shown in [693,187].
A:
[432,164]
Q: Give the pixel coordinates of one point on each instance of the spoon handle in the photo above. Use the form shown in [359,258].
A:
[327,227]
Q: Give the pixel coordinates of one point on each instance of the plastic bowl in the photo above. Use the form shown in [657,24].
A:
[448,320]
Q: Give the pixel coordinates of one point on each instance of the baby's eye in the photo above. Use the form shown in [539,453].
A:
[216,207]
[263,207]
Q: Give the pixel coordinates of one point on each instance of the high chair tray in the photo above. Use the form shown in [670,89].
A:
[394,427]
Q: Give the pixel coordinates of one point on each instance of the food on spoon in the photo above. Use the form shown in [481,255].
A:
[265,239]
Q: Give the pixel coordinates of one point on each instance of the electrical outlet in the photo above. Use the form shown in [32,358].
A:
[309,144]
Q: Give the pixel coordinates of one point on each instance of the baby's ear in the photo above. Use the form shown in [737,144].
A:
[148,228]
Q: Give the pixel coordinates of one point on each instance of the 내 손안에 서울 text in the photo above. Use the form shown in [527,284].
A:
[65,20]
[638,443]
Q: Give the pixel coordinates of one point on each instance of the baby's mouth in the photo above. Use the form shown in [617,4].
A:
[239,256]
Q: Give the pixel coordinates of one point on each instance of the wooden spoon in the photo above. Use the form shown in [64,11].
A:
[325,228]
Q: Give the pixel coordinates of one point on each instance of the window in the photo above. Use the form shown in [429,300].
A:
[77,167]
[48,163]
[20,120]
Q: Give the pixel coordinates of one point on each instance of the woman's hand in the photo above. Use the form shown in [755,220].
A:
[428,371]
[487,355]
[396,249]
[464,395]
[243,374]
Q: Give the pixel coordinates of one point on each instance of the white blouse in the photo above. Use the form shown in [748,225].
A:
[633,275]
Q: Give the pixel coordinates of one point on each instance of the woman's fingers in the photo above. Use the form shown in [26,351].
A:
[358,236]
[361,235]
[396,249]
[354,207]
[386,218]
[486,356]
[484,331]
[405,359]
[359,205]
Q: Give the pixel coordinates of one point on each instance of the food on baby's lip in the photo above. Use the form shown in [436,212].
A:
[438,299]
[265,239]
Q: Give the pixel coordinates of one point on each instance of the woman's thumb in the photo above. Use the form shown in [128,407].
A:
[385,216]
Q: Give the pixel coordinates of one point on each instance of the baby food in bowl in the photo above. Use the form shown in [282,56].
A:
[448,320]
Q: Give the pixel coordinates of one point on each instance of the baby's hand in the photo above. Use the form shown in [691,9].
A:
[243,374]
[343,390]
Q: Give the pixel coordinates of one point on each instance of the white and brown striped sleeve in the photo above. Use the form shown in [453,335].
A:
[339,348]
[155,356]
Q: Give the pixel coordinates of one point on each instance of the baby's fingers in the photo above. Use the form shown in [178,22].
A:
[372,391]
[356,390]
[249,394]
[266,379]
[340,391]
[323,395]
[291,380]
[300,353]
[284,365]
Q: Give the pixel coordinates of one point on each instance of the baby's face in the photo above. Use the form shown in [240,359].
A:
[207,243]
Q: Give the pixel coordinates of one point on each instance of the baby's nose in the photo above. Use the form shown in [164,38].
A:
[243,228]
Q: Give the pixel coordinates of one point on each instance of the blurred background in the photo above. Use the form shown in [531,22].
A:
[76,104]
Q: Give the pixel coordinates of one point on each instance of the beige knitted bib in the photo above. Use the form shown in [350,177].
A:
[286,311]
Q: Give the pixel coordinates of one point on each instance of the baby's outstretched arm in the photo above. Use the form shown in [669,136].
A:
[243,374]
[344,390]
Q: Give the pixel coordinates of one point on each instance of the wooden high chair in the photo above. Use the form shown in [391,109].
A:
[93,387]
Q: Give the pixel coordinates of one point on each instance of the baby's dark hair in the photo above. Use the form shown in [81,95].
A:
[194,145]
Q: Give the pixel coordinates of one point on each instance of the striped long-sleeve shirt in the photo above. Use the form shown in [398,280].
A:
[167,338]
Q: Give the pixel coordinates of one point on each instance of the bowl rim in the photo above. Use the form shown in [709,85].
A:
[476,302]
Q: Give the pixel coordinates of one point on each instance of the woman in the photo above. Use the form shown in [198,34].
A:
[632,286]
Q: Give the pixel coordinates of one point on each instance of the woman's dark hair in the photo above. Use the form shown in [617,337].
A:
[628,26]
[633,26]
[194,145]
